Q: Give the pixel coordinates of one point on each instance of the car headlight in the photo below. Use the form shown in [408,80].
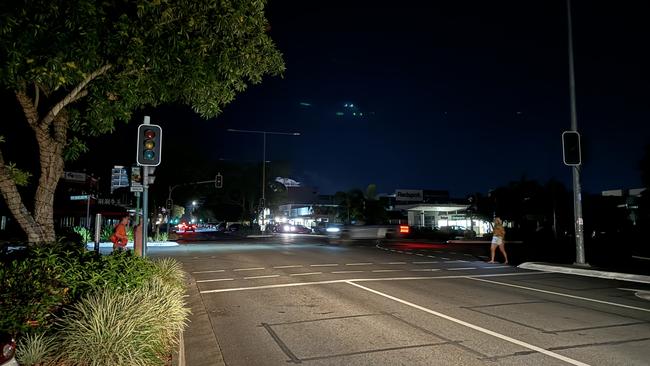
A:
[332,230]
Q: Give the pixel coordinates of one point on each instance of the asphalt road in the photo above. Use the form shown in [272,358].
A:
[301,300]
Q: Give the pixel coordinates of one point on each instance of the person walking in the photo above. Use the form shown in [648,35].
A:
[498,240]
[119,237]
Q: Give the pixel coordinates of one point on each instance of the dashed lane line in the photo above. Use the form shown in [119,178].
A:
[291,266]
[386,270]
[425,269]
[306,274]
[216,280]
[256,277]
[213,271]
[497,267]
[340,272]
[460,269]
[324,265]
[394,263]
[359,264]
[248,269]
[429,262]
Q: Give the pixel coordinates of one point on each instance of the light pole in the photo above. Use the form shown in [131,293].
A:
[264,133]
[577,194]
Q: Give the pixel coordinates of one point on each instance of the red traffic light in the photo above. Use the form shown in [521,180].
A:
[150,134]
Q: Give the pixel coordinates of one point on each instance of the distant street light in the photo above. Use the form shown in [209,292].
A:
[264,133]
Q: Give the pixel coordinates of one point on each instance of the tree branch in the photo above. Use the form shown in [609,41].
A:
[29,109]
[73,95]
[36,95]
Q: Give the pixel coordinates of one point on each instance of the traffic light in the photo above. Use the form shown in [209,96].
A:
[218,181]
[571,148]
[149,145]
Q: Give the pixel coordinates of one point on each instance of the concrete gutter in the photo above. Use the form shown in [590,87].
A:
[584,271]
[198,345]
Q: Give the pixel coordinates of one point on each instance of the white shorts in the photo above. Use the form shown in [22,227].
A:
[497,240]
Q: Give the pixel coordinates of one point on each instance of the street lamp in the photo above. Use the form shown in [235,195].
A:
[264,133]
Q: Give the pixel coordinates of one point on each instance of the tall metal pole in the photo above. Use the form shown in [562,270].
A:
[264,133]
[145,201]
[263,205]
[577,194]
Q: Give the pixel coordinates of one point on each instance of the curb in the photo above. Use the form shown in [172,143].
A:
[545,267]
[199,346]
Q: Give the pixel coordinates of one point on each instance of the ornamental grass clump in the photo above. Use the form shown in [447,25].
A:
[38,349]
[112,327]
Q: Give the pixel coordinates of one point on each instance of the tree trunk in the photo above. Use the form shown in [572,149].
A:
[35,233]
[51,159]
[51,139]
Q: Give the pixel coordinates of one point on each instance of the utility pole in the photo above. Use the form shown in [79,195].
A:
[263,199]
[577,194]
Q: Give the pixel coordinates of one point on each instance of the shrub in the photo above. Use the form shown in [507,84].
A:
[160,237]
[137,327]
[37,349]
[85,234]
[35,286]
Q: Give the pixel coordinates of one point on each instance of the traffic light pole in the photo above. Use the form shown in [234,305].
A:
[145,208]
[577,193]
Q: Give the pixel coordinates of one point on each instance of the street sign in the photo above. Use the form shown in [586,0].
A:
[82,197]
[137,189]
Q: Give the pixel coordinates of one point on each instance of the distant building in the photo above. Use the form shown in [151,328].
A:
[433,209]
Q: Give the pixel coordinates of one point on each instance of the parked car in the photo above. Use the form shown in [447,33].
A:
[8,346]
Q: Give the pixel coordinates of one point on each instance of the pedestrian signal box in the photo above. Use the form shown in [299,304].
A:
[149,145]
[571,148]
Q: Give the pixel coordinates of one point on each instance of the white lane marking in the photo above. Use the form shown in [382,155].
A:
[324,265]
[475,327]
[366,280]
[291,266]
[496,267]
[358,264]
[432,256]
[217,280]
[248,269]
[256,277]
[394,263]
[399,251]
[458,261]
[561,294]
[387,270]
[444,258]
[429,262]
[215,271]
[306,274]
[339,272]
[426,270]
[186,295]
[460,269]
[420,254]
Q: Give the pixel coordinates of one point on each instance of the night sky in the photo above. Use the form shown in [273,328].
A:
[462,96]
